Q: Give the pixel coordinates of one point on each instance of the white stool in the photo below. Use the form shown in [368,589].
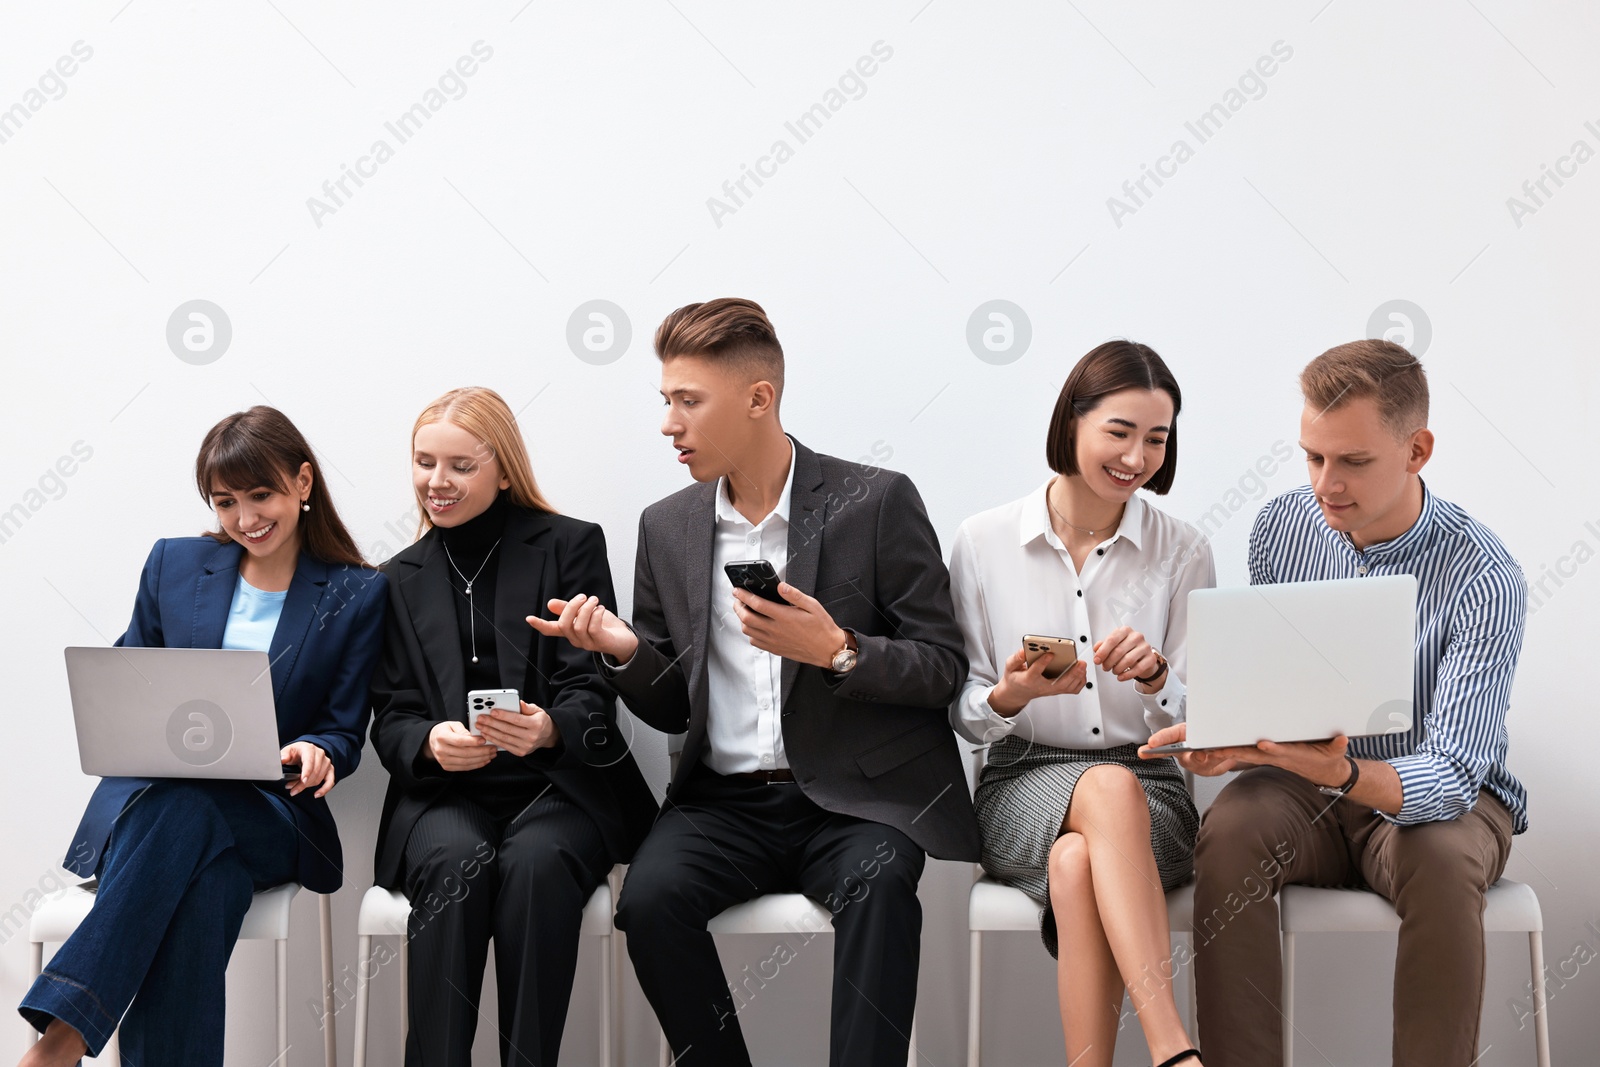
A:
[777,913]
[58,917]
[1509,907]
[996,908]
[385,913]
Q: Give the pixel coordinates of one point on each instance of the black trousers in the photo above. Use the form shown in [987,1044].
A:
[724,840]
[522,881]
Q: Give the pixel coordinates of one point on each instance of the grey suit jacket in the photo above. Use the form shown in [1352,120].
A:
[874,743]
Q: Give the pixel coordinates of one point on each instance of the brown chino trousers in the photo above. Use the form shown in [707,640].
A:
[1269,828]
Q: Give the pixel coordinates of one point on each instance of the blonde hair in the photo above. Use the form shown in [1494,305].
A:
[482,413]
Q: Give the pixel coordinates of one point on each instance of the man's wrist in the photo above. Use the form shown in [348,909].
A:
[841,640]
[620,660]
[1343,775]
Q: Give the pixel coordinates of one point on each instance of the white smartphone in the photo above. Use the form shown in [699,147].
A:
[481,702]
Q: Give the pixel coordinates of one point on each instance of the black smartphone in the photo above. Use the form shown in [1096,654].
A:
[757,576]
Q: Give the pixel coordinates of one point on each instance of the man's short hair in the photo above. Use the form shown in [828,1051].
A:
[730,331]
[1382,370]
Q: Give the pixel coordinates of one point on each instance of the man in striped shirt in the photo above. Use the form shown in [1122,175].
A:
[1424,817]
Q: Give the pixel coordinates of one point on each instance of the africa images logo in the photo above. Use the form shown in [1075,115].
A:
[199,733]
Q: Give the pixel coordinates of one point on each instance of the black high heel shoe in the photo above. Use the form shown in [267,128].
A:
[1186,1054]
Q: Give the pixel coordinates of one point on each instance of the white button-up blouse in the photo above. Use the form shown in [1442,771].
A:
[1011,575]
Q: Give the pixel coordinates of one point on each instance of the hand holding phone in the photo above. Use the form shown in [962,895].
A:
[1029,675]
[1064,653]
[757,576]
[481,702]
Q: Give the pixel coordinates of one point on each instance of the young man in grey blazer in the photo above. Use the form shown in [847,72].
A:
[818,756]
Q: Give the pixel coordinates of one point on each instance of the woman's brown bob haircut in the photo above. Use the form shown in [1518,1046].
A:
[1382,370]
[729,331]
[262,449]
[1106,369]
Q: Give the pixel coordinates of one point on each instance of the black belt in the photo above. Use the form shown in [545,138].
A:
[782,774]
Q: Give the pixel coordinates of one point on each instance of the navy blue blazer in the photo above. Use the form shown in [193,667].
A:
[323,652]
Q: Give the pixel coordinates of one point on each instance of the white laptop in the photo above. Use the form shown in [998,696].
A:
[1300,661]
[174,713]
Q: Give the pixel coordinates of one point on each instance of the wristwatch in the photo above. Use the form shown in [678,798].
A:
[1157,673]
[1350,783]
[844,660]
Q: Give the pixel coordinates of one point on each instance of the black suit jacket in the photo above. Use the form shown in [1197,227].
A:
[874,743]
[421,681]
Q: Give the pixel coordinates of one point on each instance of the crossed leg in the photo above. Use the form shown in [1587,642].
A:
[1111,919]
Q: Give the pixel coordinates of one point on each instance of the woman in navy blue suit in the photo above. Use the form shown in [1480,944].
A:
[178,859]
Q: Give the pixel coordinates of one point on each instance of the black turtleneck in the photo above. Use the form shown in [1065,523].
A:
[507,783]
[473,549]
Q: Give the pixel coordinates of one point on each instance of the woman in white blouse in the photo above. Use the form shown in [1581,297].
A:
[1069,812]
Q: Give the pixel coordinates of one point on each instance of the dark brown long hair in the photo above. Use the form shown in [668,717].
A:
[1106,369]
[262,447]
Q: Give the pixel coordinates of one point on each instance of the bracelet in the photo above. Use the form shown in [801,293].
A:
[1159,671]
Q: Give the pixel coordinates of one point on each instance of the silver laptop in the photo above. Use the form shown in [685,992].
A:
[174,713]
[1300,661]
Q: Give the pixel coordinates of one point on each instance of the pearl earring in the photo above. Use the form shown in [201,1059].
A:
[304,506]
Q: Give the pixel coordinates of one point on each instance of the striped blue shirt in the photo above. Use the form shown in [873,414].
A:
[1472,604]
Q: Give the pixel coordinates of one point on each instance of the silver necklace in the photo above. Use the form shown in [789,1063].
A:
[472,614]
[1063,518]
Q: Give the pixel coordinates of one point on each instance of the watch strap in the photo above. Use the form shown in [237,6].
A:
[1355,774]
[1349,783]
[1161,670]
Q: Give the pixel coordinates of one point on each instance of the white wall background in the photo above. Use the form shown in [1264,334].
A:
[1373,165]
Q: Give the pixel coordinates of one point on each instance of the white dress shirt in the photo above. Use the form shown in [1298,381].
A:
[744,729]
[1011,575]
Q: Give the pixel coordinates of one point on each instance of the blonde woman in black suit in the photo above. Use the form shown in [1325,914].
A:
[501,834]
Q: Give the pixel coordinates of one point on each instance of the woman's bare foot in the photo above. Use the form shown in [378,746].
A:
[61,1046]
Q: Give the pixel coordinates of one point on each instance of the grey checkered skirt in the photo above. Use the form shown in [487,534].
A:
[1023,796]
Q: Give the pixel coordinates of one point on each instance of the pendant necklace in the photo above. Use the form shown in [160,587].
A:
[472,614]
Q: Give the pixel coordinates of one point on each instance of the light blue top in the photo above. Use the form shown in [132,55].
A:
[252,617]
